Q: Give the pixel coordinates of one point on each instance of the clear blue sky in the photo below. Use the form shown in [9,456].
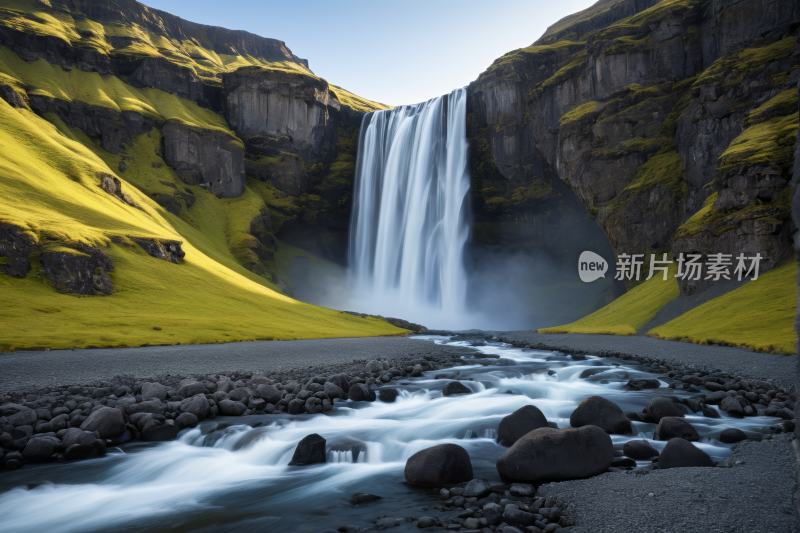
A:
[390,52]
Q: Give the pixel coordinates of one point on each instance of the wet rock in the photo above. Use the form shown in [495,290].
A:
[231,408]
[108,422]
[334,391]
[639,384]
[340,380]
[18,415]
[154,390]
[40,449]
[659,407]
[12,460]
[597,411]
[477,488]
[715,397]
[79,444]
[442,464]
[519,423]
[522,490]
[387,394]
[786,414]
[426,522]
[547,454]
[310,450]
[361,392]
[158,431]
[150,406]
[493,513]
[639,449]
[416,371]
[296,407]
[239,395]
[731,406]
[313,405]
[362,498]
[190,389]
[186,420]
[732,435]
[196,405]
[456,387]
[680,453]
[671,427]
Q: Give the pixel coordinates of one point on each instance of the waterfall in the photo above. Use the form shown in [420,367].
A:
[410,219]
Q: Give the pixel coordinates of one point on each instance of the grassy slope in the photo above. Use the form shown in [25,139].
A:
[50,186]
[758,315]
[629,312]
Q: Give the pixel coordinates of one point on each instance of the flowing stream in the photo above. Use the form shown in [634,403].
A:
[231,474]
[410,217]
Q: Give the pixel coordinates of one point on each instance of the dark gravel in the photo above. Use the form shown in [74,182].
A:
[28,371]
[745,363]
[753,494]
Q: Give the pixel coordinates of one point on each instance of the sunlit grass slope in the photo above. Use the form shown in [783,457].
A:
[629,312]
[758,315]
[49,185]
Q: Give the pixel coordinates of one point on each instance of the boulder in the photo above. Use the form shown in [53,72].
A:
[732,436]
[477,488]
[154,390]
[268,393]
[639,449]
[190,389]
[108,422]
[18,415]
[231,408]
[340,380]
[362,498]
[731,406]
[310,450]
[715,397]
[239,395]
[388,394]
[493,513]
[516,517]
[680,452]
[156,431]
[659,407]
[296,407]
[77,436]
[519,423]
[522,490]
[442,464]
[334,391]
[374,366]
[456,387]
[639,384]
[40,449]
[671,427]
[548,454]
[597,411]
[197,405]
[12,460]
[186,420]
[360,392]
[151,406]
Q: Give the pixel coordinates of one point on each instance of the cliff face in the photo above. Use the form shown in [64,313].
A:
[646,117]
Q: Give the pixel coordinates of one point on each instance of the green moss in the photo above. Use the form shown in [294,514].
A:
[524,54]
[628,44]
[731,69]
[663,168]
[640,22]
[783,104]
[355,102]
[765,143]
[578,113]
[567,69]
[700,220]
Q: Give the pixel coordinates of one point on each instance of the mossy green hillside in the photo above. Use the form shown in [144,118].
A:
[578,113]
[731,69]
[50,187]
[758,316]
[630,311]
[768,143]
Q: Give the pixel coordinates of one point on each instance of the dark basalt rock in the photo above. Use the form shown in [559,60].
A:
[80,270]
[362,498]
[107,421]
[310,450]
[639,384]
[659,407]
[639,449]
[519,423]
[387,394]
[16,245]
[359,392]
[439,465]
[732,436]
[456,387]
[597,411]
[548,454]
[680,453]
[165,249]
[671,427]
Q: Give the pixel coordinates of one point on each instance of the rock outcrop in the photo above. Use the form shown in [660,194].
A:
[160,73]
[16,245]
[205,157]
[165,249]
[79,270]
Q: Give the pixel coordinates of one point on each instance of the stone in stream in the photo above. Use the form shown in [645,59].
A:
[157,431]
[310,450]
[732,436]
[548,454]
[519,423]
[360,392]
[361,498]
[340,380]
[425,522]
[40,449]
[416,371]
[12,460]
[639,449]
[516,517]
[108,422]
[715,397]
[296,407]
[731,406]
[477,488]
[442,464]
[269,393]
[186,420]
[456,387]
[597,411]
[334,391]
[197,405]
[239,395]
[659,407]
[387,394]
[681,453]
[639,384]
[671,427]
[231,408]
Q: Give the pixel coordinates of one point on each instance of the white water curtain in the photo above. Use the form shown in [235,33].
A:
[410,207]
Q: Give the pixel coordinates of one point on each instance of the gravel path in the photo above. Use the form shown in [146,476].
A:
[753,496]
[734,360]
[24,371]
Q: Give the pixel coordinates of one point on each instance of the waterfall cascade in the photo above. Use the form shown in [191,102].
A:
[411,212]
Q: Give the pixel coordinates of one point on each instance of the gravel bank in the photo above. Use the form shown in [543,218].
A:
[28,371]
[737,361]
[753,494]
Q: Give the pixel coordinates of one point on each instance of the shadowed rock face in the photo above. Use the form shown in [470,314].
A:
[208,157]
[162,74]
[278,111]
[82,271]
[15,247]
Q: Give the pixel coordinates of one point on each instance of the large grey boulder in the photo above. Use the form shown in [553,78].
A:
[659,407]
[361,392]
[333,391]
[477,488]
[548,454]
[519,423]
[439,465]
[150,406]
[268,393]
[40,449]
[18,415]
[310,450]
[231,408]
[196,405]
[639,449]
[681,453]
[191,389]
[671,427]
[597,411]
[456,387]
[108,422]
[731,406]
[153,390]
